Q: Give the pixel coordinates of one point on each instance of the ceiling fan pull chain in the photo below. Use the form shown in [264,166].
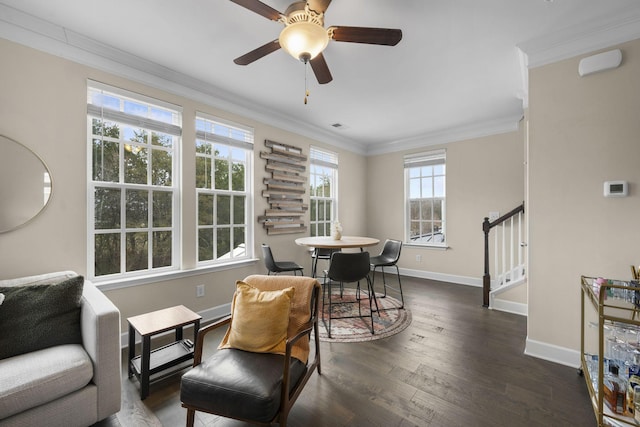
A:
[306,90]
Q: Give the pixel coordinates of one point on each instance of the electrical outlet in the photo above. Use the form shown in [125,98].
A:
[494,215]
[199,291]
[419,258]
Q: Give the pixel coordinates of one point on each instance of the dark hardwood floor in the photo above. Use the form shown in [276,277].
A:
[457,364]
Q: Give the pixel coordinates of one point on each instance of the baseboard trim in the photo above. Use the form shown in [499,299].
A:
[208,315]
[509,306]
[442,277]
[552,353]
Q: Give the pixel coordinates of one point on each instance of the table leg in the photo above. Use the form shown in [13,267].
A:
[196,328]
[132,348]
[144,367]
[179,333]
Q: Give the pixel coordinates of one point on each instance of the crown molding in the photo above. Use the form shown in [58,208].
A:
[445,136]
[574,41]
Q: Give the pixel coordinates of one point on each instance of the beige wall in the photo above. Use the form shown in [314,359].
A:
[43,106]
[483,174]
[583,131]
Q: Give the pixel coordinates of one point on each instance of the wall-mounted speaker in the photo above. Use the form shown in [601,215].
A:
[600,62]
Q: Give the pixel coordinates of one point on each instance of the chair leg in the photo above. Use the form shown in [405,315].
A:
[400,287]
[314,264]
[372,297]
[385,286]
[190,417]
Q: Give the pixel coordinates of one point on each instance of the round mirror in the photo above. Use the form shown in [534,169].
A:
[25,184]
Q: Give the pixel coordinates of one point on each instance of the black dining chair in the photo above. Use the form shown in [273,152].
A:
[346,267]
[276,267]
[320,254]
[388,258]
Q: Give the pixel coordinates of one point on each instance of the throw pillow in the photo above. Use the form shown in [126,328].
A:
[40,316]
[259,320]
[1,298]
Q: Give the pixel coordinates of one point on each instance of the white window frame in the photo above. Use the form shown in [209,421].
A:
[236,138]
[323,163]
[416,162]
[149,122]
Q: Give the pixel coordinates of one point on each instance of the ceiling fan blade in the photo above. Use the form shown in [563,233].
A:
[319,6]
[259,8]
[258,53]
[383,36]
[321,69]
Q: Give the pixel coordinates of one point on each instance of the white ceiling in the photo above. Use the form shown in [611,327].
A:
[457,73]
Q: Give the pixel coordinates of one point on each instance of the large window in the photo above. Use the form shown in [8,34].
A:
[133,185]
[323,181]
[425,198]
[223,184]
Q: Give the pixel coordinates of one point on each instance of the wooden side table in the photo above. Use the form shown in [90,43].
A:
[147,325]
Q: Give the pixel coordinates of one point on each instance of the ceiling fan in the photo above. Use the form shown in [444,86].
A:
[304,36]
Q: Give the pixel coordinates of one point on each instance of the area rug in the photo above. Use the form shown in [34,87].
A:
[358,329]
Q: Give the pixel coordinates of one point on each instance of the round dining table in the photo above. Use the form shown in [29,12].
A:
[328,242]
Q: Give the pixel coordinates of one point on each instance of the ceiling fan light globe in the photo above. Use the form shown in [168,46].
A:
[304,40]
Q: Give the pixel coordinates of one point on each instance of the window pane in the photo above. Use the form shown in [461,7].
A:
[223,210]
[437,210]
[203,172]
[223,243]
[205,244]
[426,170]
[106,161]
[321,210]
[414,209]
[222,174]
[415,229]
[427,187]
[161,167]
[237,177]
[239,242]
[162,209]
[414,188]
[312,209]
[221,150]
[161,249]
[438,170]
[135,165]
[107,254]
[203,147]
[137,251]
[162,139]
[137,208]
[425,210]
[107,208]
[238,210]
[205,209]
[438,183]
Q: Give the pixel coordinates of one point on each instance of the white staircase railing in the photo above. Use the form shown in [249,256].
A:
[508,251]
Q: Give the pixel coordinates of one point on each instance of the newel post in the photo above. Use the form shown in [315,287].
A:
[486,279]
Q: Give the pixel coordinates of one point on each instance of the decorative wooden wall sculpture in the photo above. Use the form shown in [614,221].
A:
[285,189]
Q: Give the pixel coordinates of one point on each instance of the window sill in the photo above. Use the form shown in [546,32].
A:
[436,247]
[108,285]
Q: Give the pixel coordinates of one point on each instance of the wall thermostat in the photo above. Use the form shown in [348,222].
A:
[615,189]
